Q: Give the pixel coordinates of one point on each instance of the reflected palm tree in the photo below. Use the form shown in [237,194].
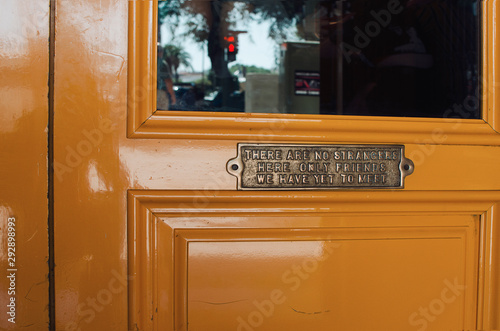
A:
[176,56]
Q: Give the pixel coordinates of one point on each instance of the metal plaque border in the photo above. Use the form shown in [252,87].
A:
[235,167]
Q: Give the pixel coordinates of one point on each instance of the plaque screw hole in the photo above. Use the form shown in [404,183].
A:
[235,167]
[406,167]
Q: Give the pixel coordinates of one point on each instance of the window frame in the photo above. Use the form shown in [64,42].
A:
[144,121]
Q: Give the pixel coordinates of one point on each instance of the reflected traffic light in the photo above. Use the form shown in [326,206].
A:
[231,48]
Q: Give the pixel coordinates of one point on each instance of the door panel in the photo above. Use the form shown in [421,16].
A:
[24,212]
[353,262]
[167,244]
[288,284]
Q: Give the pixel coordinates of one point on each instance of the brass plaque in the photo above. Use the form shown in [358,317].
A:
[319,167]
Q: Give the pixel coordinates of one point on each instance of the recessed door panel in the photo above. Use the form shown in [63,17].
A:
[379,284]
[221,267]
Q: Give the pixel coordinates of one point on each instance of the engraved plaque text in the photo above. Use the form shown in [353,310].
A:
[303,167]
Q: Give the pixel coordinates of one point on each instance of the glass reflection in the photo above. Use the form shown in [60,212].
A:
[381,58]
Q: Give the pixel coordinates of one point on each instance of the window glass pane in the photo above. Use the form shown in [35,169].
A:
[354,57]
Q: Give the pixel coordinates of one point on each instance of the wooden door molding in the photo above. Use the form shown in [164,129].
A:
[161,224]
[144,121]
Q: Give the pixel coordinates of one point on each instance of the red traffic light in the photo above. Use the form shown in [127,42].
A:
[231,49]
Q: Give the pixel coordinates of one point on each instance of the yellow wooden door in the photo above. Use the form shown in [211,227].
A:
[152,234]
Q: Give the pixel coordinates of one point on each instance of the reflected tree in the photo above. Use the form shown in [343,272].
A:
[210,21]
[176,56]
[170,9]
